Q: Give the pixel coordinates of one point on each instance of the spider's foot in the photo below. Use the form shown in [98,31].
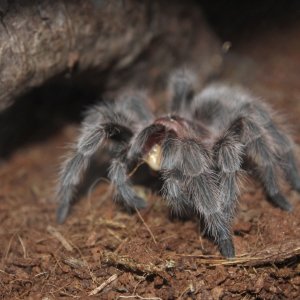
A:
[296,187]
[135,203]
[281,202]
[139,203]
[62,212]
[226,248]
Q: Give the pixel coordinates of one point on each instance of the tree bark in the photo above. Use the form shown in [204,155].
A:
[42,39]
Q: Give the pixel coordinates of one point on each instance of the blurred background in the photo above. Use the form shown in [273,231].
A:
[252,43]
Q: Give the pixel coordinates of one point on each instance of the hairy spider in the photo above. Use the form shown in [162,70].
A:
[199,149]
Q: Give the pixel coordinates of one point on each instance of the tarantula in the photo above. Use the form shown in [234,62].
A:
[199,149]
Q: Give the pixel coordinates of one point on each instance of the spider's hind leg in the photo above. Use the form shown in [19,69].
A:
[288,165]
[181,86]
[134,106]
[264,161]
[284,148]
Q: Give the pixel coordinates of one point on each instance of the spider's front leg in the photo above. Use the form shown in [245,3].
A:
[93,136]
[228,158]
[75,166]
[228,153]
[114,121]
[128,159]
[189,180]
[119,174]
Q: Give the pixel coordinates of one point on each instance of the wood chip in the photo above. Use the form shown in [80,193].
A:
[54,232]
[103,285]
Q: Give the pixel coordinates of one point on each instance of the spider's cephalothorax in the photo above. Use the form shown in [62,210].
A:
[199,149]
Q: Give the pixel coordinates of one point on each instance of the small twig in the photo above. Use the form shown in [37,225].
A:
[57,263]
[136,296]
[54,232]
[135,168]
[147,227]
[74,262]
[90,190]
[2,271]
[59,290]
[64,293]
[183,292]
[40,274]
[23,247]
[275,254]
[114,235]
[122,262]
[190,288]
[86,263]
[103,285]
[104,197]
[111,223]
[121,245]
[136,286]
[9,245]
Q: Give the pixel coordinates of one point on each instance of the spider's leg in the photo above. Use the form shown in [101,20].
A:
[126,162]
[172,191]
[189,180]
[228,151]
[208,205]
[284,151]
[134,106]
[93,136]
[219,229]
[148,136]
[288,165]
[217,226]
[184,161]
[264,159]
[124,193]
[181,86]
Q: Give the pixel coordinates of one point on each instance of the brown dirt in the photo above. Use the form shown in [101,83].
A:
[149,256]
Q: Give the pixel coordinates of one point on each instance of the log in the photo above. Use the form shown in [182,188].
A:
[116,42]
